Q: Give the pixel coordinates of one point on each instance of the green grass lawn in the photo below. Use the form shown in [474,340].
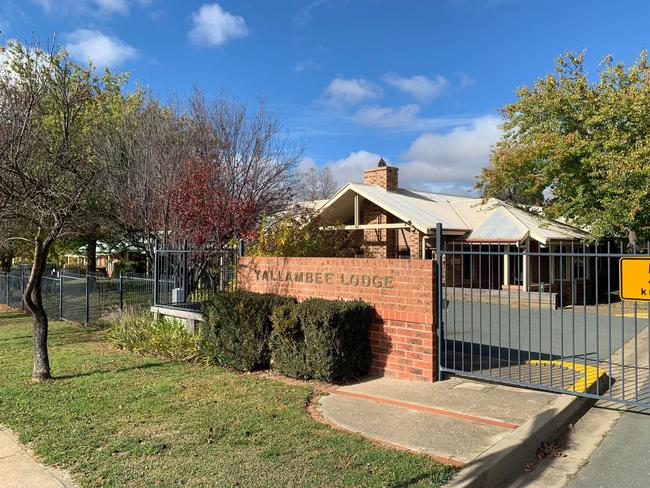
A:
[113,418]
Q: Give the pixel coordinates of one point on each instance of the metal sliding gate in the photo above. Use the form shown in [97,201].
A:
[548,317]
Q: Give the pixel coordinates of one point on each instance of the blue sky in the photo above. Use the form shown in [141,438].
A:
[417,82]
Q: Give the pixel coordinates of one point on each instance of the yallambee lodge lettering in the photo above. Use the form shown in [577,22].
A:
[326,278]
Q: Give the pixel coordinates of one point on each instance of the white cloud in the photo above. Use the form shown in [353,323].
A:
[419,86]
[93,45]
[451,159]
[302,17]
[213,26]
[86,6]
[45,4]
[387,117]
[351,167]
[446,162]
[306,65]
[466,80]
[341,91]
[113,6]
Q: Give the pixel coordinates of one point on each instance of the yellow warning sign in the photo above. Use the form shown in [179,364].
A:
[635,278]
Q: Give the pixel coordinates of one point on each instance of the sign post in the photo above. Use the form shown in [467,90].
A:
[634,274]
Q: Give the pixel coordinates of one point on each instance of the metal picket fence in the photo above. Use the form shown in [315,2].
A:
[80,298]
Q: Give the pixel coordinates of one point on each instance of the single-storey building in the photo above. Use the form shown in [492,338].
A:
[395,222]
[108,258]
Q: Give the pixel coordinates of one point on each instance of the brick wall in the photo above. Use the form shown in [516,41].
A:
[402,336]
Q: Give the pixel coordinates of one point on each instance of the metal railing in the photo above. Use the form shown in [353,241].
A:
[546,317]
[84,298]
[185,278]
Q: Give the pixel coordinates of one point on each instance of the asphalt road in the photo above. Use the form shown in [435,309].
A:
[623,458]
[561,333]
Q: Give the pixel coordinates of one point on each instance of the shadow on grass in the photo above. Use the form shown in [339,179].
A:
[104,371]
[414,480]
[12,315]
[52,334]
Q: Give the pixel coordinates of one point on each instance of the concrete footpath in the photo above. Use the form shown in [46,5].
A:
[485,429]
[20,469]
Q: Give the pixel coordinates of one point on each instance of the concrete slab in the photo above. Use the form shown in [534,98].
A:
[440,436]
[488,429]
[498,402]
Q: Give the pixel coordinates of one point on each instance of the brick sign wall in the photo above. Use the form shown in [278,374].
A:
[402,336]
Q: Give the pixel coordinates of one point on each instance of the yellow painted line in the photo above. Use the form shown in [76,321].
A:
[590,374]
[638,315]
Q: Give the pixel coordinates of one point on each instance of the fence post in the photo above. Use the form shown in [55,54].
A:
[87,299]
[22,290]
[440,325]
[241,247]
[185,277]
[121,292]
[155,273]
[222,272]
[8,285]
[60,295]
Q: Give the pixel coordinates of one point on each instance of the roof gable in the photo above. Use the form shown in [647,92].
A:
[491,220]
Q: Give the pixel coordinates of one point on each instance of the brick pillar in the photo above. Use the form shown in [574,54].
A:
[384,177]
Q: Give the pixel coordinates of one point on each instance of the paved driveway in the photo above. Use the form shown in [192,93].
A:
[560,333]
[503,342]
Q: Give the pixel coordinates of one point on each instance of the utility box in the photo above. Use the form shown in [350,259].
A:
[178,295]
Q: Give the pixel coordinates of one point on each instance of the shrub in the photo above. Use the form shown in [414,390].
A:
[288,342]
[237,328]
[141,332]
[323,339]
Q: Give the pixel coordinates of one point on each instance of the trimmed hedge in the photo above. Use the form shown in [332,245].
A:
[322,339]
[237,328]
[288,342]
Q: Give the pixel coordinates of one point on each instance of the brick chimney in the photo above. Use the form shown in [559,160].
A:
[383,176]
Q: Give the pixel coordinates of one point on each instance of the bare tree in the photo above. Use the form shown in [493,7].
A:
[50,112]
[204,170]
[148,147]
[254,162]
[317,184]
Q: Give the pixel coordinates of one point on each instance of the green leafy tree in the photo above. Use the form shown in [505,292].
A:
[298,233]
[580,148]
[52,113]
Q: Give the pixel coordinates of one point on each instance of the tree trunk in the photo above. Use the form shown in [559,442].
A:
[34,303]
[91,254]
